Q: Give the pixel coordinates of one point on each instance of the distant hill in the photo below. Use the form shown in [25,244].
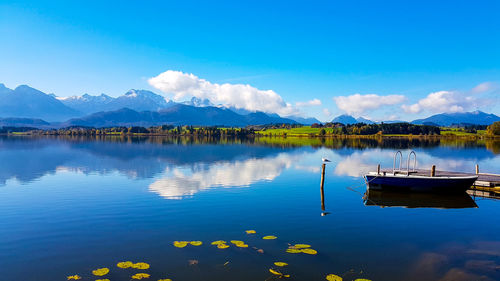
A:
[364,120]
[26,102]
[178,114]
[448,119]
[23,122]
[345,119]
[394,121]
[349,120]
[304,121]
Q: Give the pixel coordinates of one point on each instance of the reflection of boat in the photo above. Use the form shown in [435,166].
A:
[414,180]
[418,200]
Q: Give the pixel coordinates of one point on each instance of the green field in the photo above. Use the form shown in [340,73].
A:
[302,131]
[308,131]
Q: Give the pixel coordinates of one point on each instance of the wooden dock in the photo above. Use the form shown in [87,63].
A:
[480,192]
[491,181]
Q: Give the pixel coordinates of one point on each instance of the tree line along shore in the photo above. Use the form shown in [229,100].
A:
[275,130]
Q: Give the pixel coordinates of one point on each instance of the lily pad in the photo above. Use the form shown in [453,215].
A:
[280,263]
[302,246]
[222,246]
[218,242]
[293,251]
[269,237]
[100,271]
[102,280]
[180,244]
[309,251]
[333,277]
[140,265]
[275,272]
[165,279]
[251,231]
[74,277]
[125,264]
[196,243]
[140,276]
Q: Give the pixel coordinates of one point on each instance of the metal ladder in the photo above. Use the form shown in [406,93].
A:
[399,170]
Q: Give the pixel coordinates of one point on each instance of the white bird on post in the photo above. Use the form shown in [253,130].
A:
[325,160]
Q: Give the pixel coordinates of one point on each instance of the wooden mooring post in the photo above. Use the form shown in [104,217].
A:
[322,186]
[477,169]
[433,171]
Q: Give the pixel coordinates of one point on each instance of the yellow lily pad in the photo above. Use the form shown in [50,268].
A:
[309,251]
[279,263]
[196,243]
[140,265]
[140,276]
[362,280]
[269,237]
[218,242]
[164,279]
[293,251]
[100,271]
[180,244]
[333,277]
[251,231]
[102,280]
[275,272]
[302,246]
[242,245]
[74,277]
[125,264]
[222,246]
[236,242]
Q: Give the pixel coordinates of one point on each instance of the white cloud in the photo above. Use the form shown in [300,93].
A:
[358,104]
[454,101]
[313,102]
[442,101]
[484,87]
[183,85]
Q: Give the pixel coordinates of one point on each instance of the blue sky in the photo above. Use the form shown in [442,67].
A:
[382,60]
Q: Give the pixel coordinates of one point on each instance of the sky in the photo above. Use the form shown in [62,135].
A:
[383,60]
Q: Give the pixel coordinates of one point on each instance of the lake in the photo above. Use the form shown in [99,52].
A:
[70,205]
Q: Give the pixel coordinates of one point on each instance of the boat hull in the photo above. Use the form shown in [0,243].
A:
[419,183]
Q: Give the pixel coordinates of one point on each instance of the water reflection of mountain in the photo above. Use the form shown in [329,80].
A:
[27,159]
[347,145]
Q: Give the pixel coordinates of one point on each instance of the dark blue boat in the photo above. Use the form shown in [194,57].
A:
[406,180]
[409,182]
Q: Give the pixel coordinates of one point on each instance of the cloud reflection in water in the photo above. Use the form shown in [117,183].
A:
[180,182]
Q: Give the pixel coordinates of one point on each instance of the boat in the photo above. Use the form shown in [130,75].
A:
[415,180]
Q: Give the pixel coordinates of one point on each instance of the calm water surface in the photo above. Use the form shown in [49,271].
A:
[71,205]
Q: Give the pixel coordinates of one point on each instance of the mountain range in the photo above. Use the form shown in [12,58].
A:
[29,107]
[178,114]
[443,119]
[349,120]
[447,119]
